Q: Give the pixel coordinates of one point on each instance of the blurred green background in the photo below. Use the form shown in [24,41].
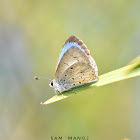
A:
[31,37]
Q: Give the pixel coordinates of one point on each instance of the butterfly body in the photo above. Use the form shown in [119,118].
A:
[75,66]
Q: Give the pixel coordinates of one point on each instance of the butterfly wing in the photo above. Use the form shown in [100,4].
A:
[77,74]
[73,50]
[75,65]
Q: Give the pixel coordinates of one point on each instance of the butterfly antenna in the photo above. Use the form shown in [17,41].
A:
[38,78]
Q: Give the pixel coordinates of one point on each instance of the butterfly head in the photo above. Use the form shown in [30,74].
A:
[55,85]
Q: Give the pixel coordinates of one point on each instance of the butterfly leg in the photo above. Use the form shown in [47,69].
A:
[62,95]
[56,92]
[73,91]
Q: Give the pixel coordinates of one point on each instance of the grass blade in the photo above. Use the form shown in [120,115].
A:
[129,71]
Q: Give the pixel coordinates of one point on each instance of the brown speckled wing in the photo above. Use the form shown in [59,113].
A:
[76,75]
[72,50]
[75,66]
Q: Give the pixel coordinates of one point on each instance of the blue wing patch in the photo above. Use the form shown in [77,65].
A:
[66,47]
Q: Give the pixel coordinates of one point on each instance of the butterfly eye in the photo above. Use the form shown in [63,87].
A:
[52,83]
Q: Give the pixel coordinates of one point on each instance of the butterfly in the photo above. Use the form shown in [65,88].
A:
[75,66]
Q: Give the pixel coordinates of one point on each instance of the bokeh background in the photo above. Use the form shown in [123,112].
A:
[31,37]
